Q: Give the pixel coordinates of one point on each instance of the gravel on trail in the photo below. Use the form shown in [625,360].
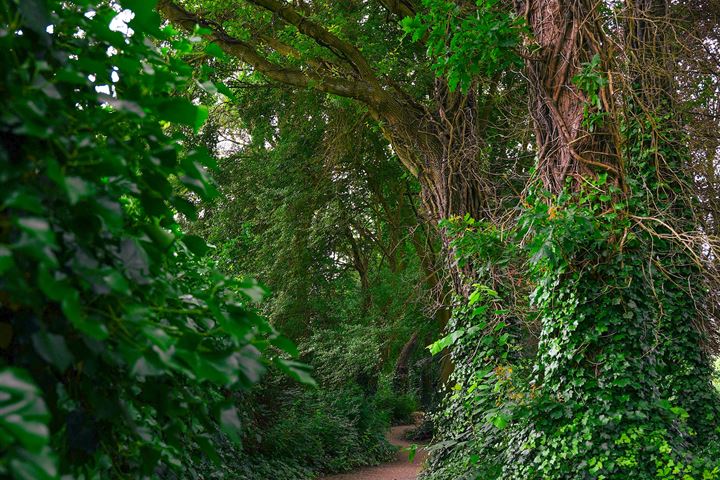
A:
[399,469]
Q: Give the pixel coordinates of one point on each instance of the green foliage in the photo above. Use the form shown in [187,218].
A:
[122,344]
[617,386]
[470,424]
[291,434]
[591,80]
[467,41]
[310,202]
[399,407]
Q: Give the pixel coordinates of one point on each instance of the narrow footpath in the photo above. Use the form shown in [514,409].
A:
[399,469]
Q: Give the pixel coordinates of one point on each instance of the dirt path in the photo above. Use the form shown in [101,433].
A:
[400,469]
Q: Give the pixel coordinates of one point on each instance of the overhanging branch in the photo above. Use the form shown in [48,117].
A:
[244,51]
[323,37]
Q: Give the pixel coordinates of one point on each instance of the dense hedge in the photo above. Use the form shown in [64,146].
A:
[122,346]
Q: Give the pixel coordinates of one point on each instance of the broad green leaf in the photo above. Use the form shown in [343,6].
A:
[53,349]
[230,423]
[76,189]
[446,341]
[38,228]
[286,345]
[182,111]
[34,465]
[196,245]
[25,200]
[74,312]
[23,413]
[298,371]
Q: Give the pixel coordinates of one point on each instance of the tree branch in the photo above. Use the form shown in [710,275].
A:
[401,8]
[322,36]
[244,51]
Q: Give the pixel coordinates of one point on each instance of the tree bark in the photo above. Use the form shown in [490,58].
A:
[569,35]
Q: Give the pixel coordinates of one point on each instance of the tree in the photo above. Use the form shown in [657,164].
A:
[620,384]
[608,250]
[439,133]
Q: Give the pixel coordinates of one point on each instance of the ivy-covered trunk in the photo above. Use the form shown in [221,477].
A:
[442,147]
[621,386]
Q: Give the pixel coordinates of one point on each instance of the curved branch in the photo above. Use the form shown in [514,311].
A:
[322,36]
[244,51]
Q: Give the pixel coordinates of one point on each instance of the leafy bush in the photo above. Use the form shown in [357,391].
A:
[121,345]
[290,433]
[400,406]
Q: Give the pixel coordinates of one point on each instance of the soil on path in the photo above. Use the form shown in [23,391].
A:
[400,469]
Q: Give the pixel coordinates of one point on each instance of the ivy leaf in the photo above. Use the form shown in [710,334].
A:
[500,421]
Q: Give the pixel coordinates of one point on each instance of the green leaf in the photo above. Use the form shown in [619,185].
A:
[296,370]
[286,345]
[121,105]
[72,309]
[412,451]
[36,15]
[182,111]
[76,189]
[40,465]
[6,259]
[446,341]
[53,349]
[207,445]
[500,421]
[230,423]
[53,288]
[196,245]
[163,238]
[38,228]
[23,414]
[117,282]
[215,50]
[24,200]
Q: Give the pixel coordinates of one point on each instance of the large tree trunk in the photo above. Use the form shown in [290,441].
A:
[442,148]
[569,35]
[620,297]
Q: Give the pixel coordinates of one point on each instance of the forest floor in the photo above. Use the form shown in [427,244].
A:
[399,469]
